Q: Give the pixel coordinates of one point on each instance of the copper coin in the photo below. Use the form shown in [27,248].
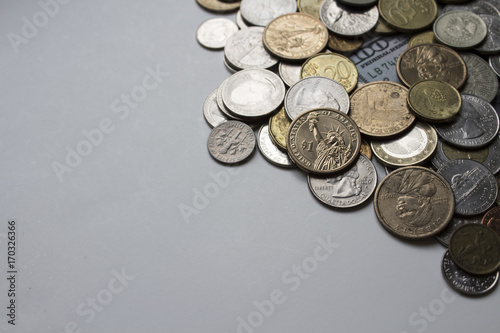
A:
[492,219]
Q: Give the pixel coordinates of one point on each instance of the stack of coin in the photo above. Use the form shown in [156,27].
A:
[299,78]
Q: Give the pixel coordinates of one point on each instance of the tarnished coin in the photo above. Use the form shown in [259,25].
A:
[295,36]
[365,149]
[231,142]
[253,93]
[310,7]
[474,186]
[334,66]
[456,221]
[492,219]
[426,37]
[495,63]
[408,15]
[431,62]
[278,128]
[214,33]
[465,283]
[347,189]
[348,21]
[245,50]
[211,111]
[289,73]
[477,7]
[315,92]
[343,44]
[413,148]
[270,151]
[261,12]
[323,141]
[481,80]
[475,126]
[414,203]
[379,108]
[434,101]
[219,6]
[475,248]
[491,44]
[460,29]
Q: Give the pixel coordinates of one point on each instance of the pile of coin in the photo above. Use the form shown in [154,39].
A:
[300,76]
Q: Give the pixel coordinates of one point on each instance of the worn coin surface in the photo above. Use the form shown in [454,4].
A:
[278,128]
[310,7]
[315,92]
[334,66]
[295,36]
[475,126]
[456,221]
[414,203]
[481,79]
[231,142]
[426,37]
[211,110]
[270,151]
[491,44]
[477,7]
[343,44]
[379,108]
[408,15]
[214,33]
[492,219]
[460,29]
[347,21]
[289,73]
[431,62]
[219,6]
[412,148]
[495,63]
[347,189]
[465,283]
[474,186]
[261,12]
[323,141]
[475,248]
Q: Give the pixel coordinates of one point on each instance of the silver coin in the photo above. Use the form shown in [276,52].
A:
[495,63]
[491,155]
[245,50]
[239,20]
[460,29]
[348,21]
[481,80]
[456,221]
[477,7]
[270,151]
[474,186]
[290,73]
[348,189]
[220,103]
[231,142]
[253,93]
[214,33]
[465,283]
[491,44]
[211,111]
[316,92]
[475,126]
[261,12]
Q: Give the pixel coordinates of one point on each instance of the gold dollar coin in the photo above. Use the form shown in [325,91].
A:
[408,15]
[278,128]
[334,66]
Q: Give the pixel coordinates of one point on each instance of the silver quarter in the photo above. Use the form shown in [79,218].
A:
[211,111]
[348,189]
[465,283]
[289,73]
[456,221]
[245,50]
[348,21]
[477,7]
[270,151]
[495,63]
[460,29]
[253,93]
[474,186]
[215,32]
[481,79]
[261,12]
[316,92]
[231,142]
[491,44]
[475,126]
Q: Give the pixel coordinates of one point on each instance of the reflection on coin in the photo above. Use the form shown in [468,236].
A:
[413,148]
[475,248]
[295,36]
[347,189]
[456,221]
[231,142]
[475,126]
[491,44]
[365,149]
[348,21]
[474,186]
[460,29]
[414,203]
[426,37]
[323,141]
[343,44]
[379,109]
[278,128]
[310,7]
[270,151]
[464,282]
[408,16]
[315,92]
[495,63]
[492,219]
[219,6]
[261,12]
[211,111]
[214,33]
[334,66]
[481,80]
[221,105]
[289,73]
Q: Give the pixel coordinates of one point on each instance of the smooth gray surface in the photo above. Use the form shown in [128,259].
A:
[120,209]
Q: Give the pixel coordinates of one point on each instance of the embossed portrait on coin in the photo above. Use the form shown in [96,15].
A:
[230,142]
[306,100]
[460,27]
[432,64]
[346,185]
[471,127]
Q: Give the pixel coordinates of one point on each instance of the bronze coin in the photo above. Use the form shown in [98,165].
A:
[492,219]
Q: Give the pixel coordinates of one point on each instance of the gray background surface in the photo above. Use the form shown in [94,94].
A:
[119,211]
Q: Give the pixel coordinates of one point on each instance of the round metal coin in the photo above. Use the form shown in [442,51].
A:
[456,221]
[270,151]
[495,63]
[348,21]
[492,219]
[289,73]
[231,142]
[408,16]
[310,7]
[214,33]
[422,38]
[211,110]
[481,79]
[491,44]
[219,6]
[460,29]
[261,12]
[278,128]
